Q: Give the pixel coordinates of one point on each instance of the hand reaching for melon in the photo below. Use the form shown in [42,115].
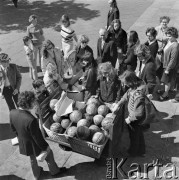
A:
[114,107]
[94,96]
[127,120]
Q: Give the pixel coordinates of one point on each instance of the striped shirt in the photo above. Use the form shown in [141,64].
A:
[67,34]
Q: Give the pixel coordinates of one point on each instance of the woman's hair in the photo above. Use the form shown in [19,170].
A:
[106,67]
[144,50]
[130,79]
[65,18]
[46,44]
[116,21]
[172,31]
[32,17]
[26,39]
[83,38]
[164,17]
[37,83]
[26,99]
[152,31]
[133,38]
[114,3]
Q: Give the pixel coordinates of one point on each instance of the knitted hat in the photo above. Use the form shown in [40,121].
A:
[4,57]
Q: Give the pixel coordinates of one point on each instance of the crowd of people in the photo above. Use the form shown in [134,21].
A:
[112,76]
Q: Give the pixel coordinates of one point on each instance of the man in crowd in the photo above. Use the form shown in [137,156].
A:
[11,81]
[106,48]
[31,141]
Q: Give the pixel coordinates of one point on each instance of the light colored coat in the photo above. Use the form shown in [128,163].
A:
[58,62]
[171,56]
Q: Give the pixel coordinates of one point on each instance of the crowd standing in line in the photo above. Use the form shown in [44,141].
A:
[117,54]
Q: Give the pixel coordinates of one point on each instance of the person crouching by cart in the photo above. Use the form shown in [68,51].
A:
[135,96]
[31,141]
[89,78]
[109,86]
[51,74]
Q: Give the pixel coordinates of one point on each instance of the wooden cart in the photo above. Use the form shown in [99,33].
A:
[108,149]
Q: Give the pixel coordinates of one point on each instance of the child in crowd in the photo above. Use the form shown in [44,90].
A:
[89,78]
[51,75]
[68,35]
[40,91]
[29,50]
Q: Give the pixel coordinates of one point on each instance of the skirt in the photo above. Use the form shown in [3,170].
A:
[67,47]
[168,78]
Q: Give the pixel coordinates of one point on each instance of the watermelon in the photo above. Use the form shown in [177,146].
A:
[107,123]
[103,110]
[83,132]
[65,123]
[88,117]
[52,103]
[111,115]
[57,118]
[97,119]
[91,109]
[71,131]
[98,138]
[83,122]
[75,116]
[56,127]
[93,129]
[93,100]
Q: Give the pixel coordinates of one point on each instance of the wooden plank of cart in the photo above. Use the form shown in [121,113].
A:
[110,147]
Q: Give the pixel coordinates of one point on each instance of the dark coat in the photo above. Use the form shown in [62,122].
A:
[120,38]
[153,48]
[109,52]
[131,59]
[148,75]
[26,127]
[90,82]
[109,91]
[84,54]
[114,14]
[14,76]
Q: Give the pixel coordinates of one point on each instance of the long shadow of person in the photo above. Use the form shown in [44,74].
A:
[10,177]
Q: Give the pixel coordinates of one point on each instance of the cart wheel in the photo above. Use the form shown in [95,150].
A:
[65,148]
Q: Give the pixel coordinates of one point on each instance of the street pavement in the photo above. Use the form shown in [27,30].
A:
[87,18]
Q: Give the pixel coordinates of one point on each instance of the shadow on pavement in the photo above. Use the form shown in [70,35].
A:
[17,18]
[160,146]
[5,132]
[10,177]
[85,170]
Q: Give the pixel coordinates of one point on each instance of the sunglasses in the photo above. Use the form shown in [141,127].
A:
[84,42]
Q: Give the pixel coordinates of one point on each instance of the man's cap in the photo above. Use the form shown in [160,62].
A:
[4,57]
